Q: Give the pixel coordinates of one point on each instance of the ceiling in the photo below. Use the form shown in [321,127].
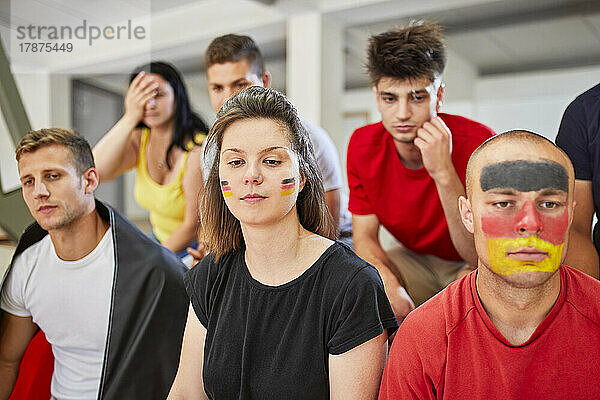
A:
[494,36]
[499,38]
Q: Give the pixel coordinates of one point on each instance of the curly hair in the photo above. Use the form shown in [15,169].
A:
[413,52]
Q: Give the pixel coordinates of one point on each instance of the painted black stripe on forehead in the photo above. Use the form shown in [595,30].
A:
[524,176]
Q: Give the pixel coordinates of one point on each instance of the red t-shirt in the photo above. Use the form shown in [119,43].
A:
[449,349]
[406,201]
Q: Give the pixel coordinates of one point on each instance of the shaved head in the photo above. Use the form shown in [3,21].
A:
[519,207]
[528,159]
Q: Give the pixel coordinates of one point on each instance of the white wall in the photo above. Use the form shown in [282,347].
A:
[533,101]
[35,92]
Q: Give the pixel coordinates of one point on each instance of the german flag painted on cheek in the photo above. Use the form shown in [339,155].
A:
[288,186]
[226,189]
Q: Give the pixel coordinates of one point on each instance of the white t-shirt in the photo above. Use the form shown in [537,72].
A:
[328,162]
[70,302]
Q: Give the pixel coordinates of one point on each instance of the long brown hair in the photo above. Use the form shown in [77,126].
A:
[221,231]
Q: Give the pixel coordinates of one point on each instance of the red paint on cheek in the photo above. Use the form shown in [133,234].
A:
[506,225]
[555,228]
[498,225]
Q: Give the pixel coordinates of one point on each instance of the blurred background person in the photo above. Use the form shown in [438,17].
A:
[161,137]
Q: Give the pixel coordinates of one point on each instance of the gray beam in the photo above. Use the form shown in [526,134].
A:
[14,215]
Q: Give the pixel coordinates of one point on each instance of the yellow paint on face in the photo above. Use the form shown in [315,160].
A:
[500,263]
[288,191]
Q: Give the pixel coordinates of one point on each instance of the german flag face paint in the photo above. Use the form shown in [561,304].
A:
[226,189]
[530,254]
[288,186]
[526,221]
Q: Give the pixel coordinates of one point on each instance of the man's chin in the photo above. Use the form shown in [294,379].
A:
[527,279]
[404,138]
[54,224]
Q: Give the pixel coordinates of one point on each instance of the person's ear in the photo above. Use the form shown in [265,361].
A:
[266,79]
[466,213]
[91,180]
[440,98]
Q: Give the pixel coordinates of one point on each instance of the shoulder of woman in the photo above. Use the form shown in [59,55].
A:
[209,268]
[197,143]
[347,267]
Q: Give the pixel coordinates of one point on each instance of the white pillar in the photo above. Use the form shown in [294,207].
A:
[315,71]
[303,66]
[332,84]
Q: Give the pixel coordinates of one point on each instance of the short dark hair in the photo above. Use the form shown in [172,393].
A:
[79,147]
[233,48]
[222,231]
[186,123]
[413,52]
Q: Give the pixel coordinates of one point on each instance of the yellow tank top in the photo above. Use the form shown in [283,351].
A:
[166,203]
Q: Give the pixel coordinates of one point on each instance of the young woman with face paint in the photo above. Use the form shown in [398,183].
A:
[278,310]
[161,137]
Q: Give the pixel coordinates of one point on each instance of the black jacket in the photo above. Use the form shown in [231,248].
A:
[147,316]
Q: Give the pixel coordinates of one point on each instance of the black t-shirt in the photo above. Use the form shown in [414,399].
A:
[273,342]
[579,137]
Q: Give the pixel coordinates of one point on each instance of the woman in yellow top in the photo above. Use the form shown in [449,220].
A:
[161,137]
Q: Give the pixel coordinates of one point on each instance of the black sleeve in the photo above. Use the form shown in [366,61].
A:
[197,284]
[362,313]
[573,139]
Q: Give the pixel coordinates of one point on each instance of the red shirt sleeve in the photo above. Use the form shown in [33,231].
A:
[358,202]
[405,376]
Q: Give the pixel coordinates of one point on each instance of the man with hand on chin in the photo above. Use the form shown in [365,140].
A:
[522,326]
[406,172]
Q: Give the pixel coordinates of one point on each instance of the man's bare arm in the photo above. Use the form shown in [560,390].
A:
[581,252]
[434,142]
[15,334]
[365,237]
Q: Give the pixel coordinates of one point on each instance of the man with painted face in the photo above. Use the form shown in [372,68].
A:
[234,62]
[522,326]
[406,172]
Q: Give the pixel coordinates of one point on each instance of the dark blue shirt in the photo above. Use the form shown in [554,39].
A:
[579,137]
